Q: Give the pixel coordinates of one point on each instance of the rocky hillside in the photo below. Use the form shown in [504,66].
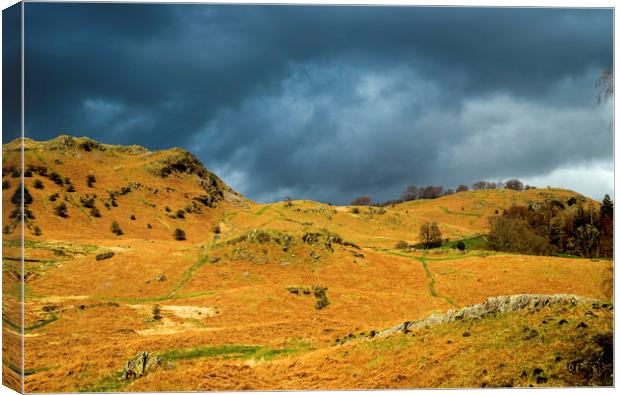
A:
[78,187]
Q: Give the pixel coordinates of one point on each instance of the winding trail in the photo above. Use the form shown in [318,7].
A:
[431,283]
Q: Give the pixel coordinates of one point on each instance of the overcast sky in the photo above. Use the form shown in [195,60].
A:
[328,103]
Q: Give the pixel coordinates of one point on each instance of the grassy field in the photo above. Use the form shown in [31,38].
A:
[218,308]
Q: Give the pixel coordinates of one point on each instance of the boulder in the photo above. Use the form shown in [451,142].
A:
[140,365]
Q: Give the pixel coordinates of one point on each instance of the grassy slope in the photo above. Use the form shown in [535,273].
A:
[103,308]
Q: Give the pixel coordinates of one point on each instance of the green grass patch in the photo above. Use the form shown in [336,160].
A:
[262,210]
[478,242]
[233,350]
[431,284]
[448,211]
[110,383]
[41,323]
[187,275]
[18,370]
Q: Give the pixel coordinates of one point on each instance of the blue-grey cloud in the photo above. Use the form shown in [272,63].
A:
[327,102]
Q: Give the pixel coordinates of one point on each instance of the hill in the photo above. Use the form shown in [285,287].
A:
[253,292]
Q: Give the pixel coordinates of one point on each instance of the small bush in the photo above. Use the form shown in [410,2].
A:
[6,230]
[156,312]
[28,172]
[402,245]
[38,184]
[104,255]
[55,177]
[15,173]
[179,234]
[90,180]
[355,210]
[116,229]
[133,217]
[460,245]
[113,203]
[54,196]
[216,229]
[37,231]
[320,293]
[95,212]
[149,226]
[87,201]
[61,210]
[168,209]
[70,188]
[17,196]
[6,184]
[180,214]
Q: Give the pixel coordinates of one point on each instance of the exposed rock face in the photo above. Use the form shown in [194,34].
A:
[140,365]
[498,304]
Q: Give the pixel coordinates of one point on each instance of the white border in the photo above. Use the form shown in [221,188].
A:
[478,3]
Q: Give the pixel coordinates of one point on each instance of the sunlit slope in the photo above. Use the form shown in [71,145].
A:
[550,347]
[256,291]
[142,191]
[461,215]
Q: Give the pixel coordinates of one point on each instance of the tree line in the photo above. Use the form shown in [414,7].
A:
[554,227]
[413,192]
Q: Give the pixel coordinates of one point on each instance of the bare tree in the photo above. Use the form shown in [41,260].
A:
[605,84]
[514,184]
[411,193]
[430,235]
[361,201]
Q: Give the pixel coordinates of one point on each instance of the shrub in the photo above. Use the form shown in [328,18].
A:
[180,214]
[179,234]
[38,184]
[87,201]
[156,312]
[6,230]
[513,234]
[55,177]
[28,172]
[17,196]
[460,245]
[149,226]
[355,210]
[133,217]
[37,231]
[90,180]
[116,229]
[402,245]
[54,196]
[15,173]
[6,184]
[113,203]
[104,255]
[320,293]
[95,212]
[168,209]
[61,210]
[70,188]
[216,229]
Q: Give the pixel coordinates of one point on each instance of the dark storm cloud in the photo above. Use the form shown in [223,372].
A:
[326,102]
[11,72]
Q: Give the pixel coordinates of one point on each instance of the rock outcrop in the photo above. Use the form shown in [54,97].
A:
[493,305]
[140,365]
